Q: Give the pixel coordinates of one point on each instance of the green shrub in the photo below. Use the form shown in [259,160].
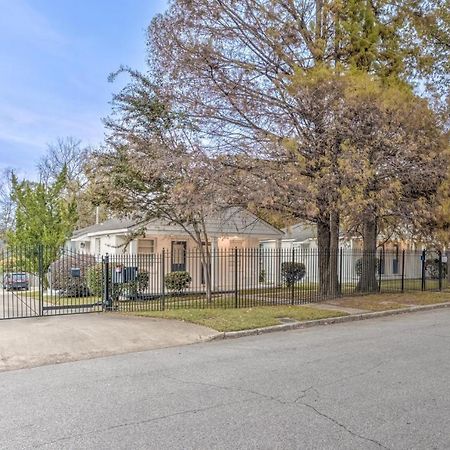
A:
[95,282]
[432,269]
[177,281]
[138,286]
[61,278]
[292,272]
[94,279]
[262,276]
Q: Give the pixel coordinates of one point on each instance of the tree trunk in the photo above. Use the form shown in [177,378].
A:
[334,254]
[323,257]
[205,259]
[206,267]
[367,277]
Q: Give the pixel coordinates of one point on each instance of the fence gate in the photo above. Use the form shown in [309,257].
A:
[42,281]
[20,293]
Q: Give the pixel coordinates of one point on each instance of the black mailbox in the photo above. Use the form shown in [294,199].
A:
[124,274]
[130,274]
[75,272]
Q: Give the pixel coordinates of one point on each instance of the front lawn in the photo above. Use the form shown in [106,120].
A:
[242,318]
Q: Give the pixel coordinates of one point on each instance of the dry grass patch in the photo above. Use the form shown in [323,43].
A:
[242,318]
[383,302]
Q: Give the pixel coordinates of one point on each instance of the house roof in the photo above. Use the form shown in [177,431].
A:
[105,227]
[230,221]
[301,232]
[304,231]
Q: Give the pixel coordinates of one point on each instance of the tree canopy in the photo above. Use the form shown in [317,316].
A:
[42,216]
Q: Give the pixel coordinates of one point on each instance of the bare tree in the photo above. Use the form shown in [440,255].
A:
[71,155]
[65,152]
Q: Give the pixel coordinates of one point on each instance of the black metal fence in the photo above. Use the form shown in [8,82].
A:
[44,281]
[40,281]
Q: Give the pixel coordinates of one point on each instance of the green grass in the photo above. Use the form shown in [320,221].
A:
[242,318]
[57,300]
[74,301]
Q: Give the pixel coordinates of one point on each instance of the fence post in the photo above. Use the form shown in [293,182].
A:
[107,304]
[403,271]
[236,294]
[293,281]
[340,271]
[381,262]
[40,250]
[163,276]
[440,270]
[423,270]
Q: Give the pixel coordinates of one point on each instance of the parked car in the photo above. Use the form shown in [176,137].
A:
[16,281]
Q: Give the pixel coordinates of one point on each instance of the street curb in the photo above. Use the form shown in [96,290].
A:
[328,321]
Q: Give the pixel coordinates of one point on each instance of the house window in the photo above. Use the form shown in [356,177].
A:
[146,246]
[178,255]
[97,246]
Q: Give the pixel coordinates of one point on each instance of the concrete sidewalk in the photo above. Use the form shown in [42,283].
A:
[49,340]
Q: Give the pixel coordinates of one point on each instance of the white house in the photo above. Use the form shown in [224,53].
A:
[300,242]
[142,245]
[233,228]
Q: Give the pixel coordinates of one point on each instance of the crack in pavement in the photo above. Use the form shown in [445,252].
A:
[305,392]
[229,388]
[260,396]
[140,422]
[333,420]
[295,402]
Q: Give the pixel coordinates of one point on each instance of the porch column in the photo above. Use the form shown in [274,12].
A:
[214,256]
[133,247]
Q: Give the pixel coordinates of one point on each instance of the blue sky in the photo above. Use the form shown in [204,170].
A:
[56,56]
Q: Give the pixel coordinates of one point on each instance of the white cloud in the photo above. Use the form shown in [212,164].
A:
[20,21]
[32,129]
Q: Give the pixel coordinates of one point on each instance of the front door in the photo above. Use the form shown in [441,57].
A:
[178,256]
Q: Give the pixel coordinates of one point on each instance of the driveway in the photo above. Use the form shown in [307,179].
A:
[47,340]
[18,304]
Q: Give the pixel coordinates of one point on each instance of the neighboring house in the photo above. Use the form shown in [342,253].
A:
[302,238]
[233,228]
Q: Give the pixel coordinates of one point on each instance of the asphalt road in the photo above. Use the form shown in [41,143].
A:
[371,384]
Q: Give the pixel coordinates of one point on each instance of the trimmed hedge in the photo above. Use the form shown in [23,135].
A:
[432,269]
[292,272]
[177,281]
